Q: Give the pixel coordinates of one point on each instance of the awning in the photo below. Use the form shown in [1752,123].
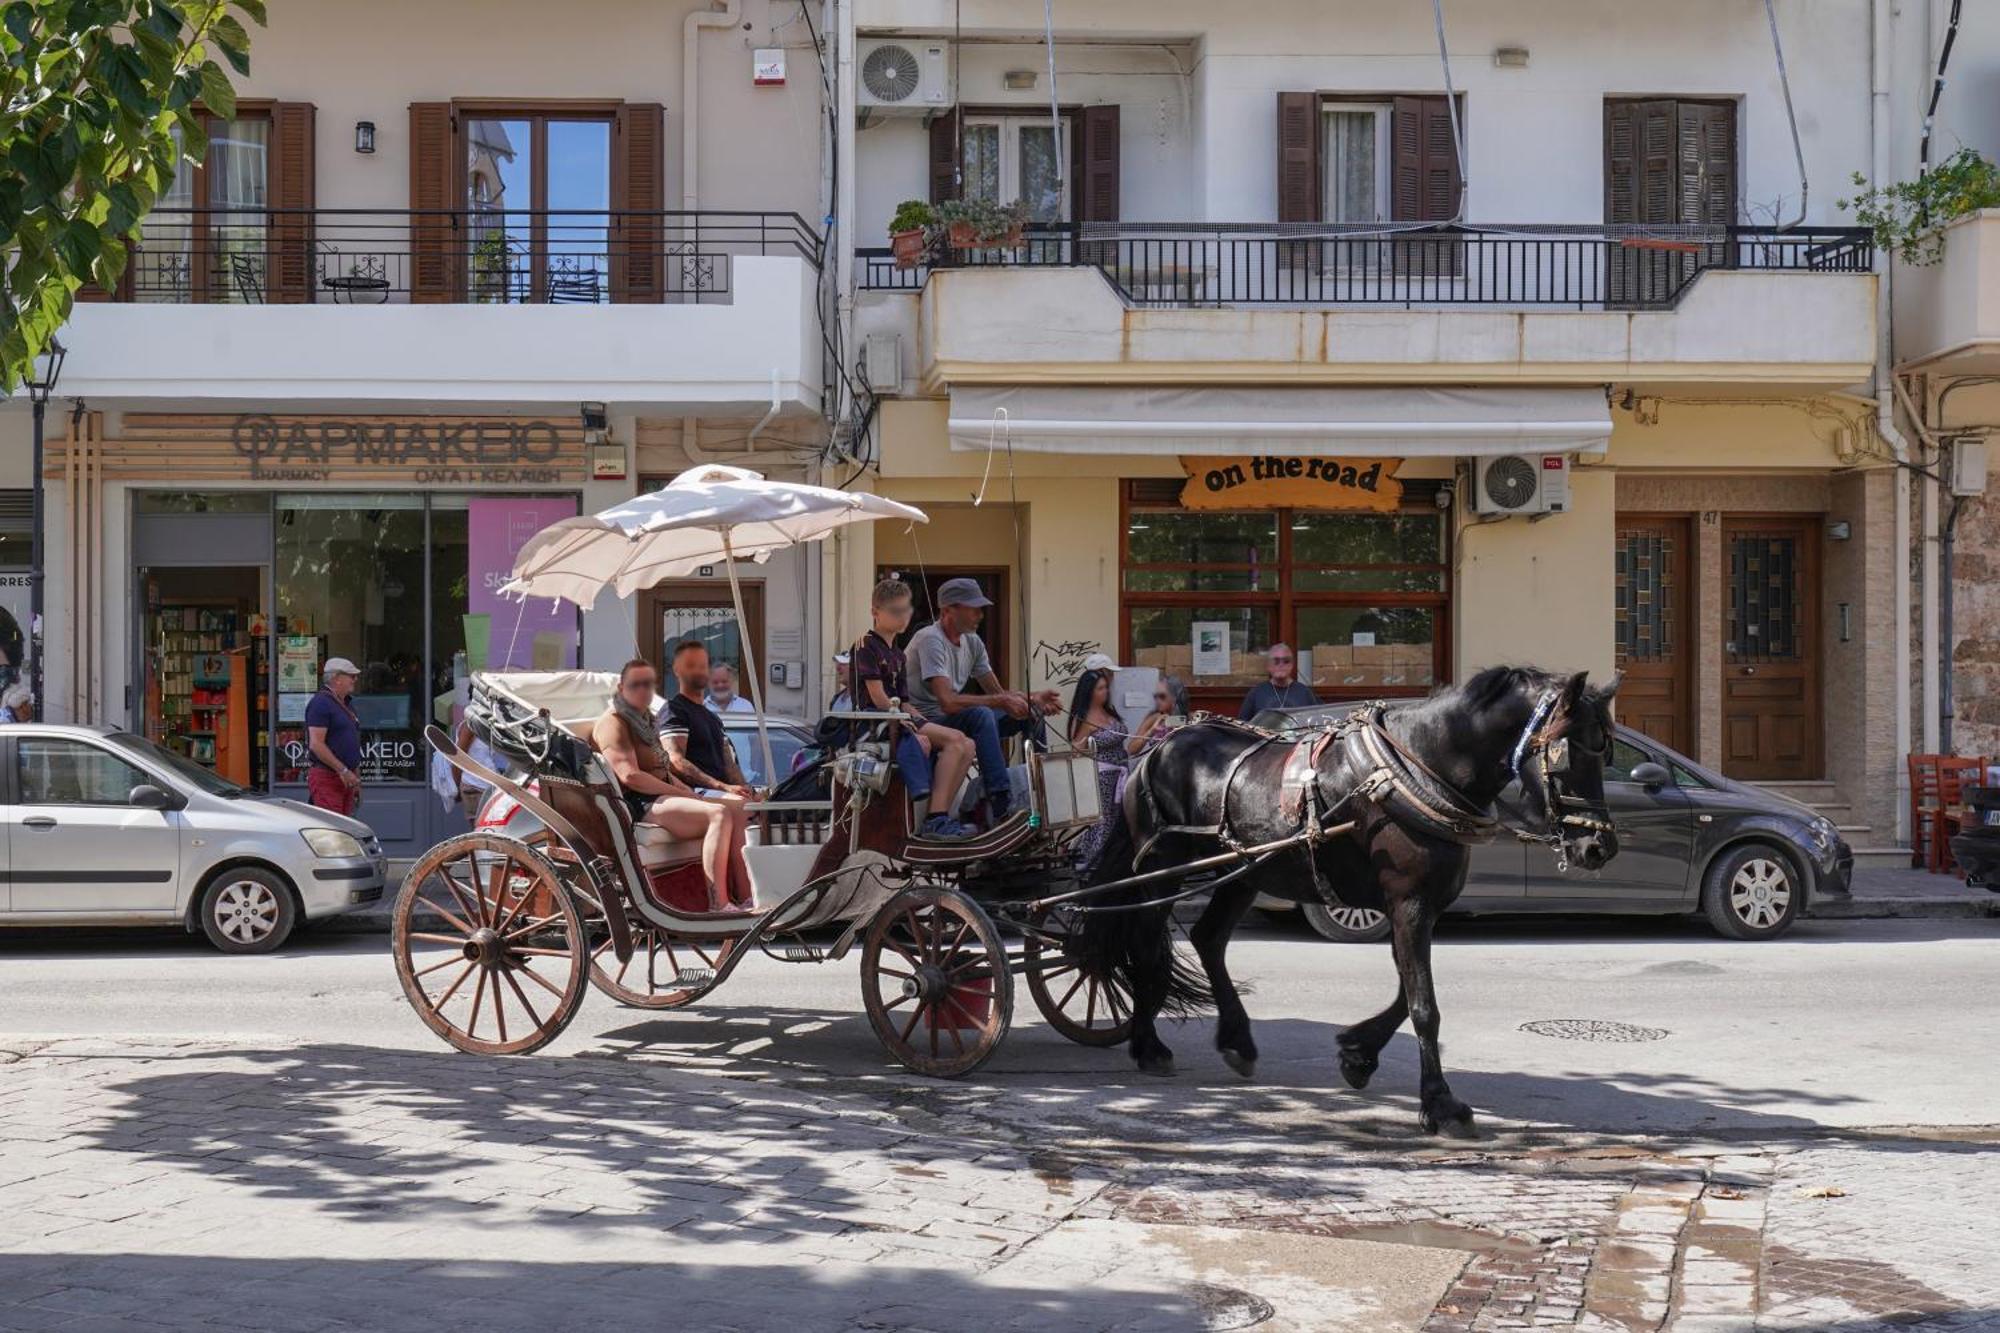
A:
[1399,423]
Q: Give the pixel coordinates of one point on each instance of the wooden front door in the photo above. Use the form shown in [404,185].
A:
[701,609]
[1654,631]
[1770,648]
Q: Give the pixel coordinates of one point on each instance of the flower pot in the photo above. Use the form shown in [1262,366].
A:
[963,237]
[907,247]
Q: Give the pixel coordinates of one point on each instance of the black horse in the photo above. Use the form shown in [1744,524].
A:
[1390,800]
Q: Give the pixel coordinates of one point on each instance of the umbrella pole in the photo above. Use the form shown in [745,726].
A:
[749,661]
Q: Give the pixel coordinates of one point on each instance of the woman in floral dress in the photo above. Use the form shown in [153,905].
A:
[1093,724]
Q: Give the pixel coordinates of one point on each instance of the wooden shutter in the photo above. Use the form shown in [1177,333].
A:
[436,199]
[1094,161]
[1707,162]
[1298,158]
[290,277]
[639,194]
[944,156]
[1424,179]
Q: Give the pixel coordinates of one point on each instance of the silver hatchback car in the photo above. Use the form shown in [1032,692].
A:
[103,827]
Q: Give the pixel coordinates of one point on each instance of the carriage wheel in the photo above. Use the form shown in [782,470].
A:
[503,973]
[1088,1011]
[663,972]
[935,980]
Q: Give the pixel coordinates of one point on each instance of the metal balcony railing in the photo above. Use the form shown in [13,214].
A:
[1529,265]
[475,256]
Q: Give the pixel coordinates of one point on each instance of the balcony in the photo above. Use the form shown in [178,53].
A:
[1948,313]
[354,306]
[1489,302]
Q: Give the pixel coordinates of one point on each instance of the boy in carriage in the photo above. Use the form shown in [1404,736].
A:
[881,683]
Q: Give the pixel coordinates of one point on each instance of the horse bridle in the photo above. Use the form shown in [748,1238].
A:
[1550,757]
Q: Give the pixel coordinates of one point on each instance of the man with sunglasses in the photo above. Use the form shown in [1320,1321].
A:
[1283,690]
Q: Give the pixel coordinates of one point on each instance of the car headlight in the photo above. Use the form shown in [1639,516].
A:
[331,842]
[1821,834]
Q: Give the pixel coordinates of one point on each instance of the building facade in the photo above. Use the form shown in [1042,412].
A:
[1255,265]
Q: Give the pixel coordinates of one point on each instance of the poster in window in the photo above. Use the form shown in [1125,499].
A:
[298,663]
[1211,647]
[497,527]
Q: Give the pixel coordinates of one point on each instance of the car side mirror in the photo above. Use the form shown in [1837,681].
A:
[1651,776]
[146,796]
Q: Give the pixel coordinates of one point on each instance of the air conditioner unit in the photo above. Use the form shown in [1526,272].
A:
[1521,484]
[903,74]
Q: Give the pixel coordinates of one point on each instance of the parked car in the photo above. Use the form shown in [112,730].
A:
[1690,841]
[105,828]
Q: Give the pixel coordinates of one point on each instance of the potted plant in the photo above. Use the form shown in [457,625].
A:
[1909,217]
[978,224]
[907,228]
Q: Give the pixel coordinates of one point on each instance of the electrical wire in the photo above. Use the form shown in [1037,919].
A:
[1937,88]
[1451,109]
[1791,117]
[1055,103]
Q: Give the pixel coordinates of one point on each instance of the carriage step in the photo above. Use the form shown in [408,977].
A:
[689,977]
[803,953]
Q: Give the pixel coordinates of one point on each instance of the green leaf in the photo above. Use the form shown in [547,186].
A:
[194,141]
[255,9]
[217,93]
[234,41]
[123,209]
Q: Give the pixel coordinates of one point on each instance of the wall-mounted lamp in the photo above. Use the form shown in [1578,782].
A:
[1018,80]
[364,136]
[1510,57]
[1839,531]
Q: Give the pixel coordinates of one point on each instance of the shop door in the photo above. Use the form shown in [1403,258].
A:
[701,609]
[1770,635]
[1655,649]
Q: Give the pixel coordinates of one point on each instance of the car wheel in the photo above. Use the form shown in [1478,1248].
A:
[247,910]
[1752,893]
[1349,925]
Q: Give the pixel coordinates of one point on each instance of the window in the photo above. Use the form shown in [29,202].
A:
[538,192]
[1355,152]
[1363,597]
[1009,158]
[206,240]
[1625,757]
[65,772]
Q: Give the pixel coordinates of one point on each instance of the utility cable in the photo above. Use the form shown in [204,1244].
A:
[1451,109]
[1791,117]
[1937,89]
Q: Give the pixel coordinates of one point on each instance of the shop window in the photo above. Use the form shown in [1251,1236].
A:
[1362,597]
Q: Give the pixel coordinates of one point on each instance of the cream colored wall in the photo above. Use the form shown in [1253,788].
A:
[1538,592]
[369,59]
[1722,434]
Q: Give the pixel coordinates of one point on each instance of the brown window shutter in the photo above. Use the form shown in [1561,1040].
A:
[1642,185]
[290,240]
[436,201]
[639,194]
[944,156]
[1095,163]
[1423,170]
[1707,165]
[1621,162]
[1298,157]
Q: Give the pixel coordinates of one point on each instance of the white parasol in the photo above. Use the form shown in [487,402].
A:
[705,516]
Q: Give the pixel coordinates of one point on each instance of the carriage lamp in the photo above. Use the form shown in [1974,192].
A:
[364,136]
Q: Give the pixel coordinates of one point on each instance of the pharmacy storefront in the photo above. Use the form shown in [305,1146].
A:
[256,547]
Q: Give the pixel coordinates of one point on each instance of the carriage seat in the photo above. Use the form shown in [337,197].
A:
[657,847]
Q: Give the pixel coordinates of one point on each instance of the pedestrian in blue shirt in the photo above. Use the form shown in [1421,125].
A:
[333,740]
[1283,690]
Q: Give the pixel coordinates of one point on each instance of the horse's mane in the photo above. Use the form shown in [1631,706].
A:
[1490,686]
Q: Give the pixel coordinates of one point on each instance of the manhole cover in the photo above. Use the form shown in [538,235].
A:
[1591,1029]
[1226,1309]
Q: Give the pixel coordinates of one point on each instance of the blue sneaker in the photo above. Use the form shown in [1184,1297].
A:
[943,828]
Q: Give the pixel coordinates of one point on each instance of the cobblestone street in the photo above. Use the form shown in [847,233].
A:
[327,1186]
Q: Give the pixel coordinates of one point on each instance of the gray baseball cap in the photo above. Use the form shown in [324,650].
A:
[962,592]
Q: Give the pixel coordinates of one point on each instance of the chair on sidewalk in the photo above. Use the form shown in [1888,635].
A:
[1956,774]
[1937,801]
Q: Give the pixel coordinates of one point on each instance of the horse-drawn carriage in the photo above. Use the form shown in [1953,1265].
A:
[498,931]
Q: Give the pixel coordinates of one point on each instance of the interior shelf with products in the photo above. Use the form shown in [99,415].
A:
[208,670]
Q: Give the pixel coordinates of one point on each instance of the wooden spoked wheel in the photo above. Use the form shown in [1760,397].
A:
[663,972]
[496,965]
[935,980]
[1088,1011]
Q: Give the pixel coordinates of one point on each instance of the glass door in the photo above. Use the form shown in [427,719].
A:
[538,201]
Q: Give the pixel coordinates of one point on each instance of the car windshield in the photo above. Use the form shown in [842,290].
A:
[181,766]
[785,746]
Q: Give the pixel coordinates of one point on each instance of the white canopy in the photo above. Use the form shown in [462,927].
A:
[702,517]
[1416,422]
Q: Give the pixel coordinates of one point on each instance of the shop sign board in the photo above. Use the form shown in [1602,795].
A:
[1267,481]
[445,451]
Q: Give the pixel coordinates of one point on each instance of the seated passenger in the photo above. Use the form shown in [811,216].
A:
[882,684]
[630,742]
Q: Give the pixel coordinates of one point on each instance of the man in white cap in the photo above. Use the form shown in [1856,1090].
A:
[333,739]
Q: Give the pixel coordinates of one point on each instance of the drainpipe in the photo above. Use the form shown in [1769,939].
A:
[750,442]
[1880,47]
[844,205]
[725,17]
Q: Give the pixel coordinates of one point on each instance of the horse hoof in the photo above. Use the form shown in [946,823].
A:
[1357,1072]
[1457,1125]
[1160,1066]
[1245,1065]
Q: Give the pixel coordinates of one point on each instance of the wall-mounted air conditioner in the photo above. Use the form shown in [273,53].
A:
[1521,484]
[903,74]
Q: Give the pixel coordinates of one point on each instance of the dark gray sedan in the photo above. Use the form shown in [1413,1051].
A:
[1690,840]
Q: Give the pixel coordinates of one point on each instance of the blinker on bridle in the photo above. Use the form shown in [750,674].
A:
[1551,762]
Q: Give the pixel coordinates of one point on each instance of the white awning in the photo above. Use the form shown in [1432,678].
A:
[1400,423]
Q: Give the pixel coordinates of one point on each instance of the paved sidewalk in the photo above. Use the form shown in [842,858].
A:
[147,1186]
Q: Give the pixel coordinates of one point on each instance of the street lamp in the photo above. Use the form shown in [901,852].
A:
[41,385]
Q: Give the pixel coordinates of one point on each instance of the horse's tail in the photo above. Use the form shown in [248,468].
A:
[1122,947]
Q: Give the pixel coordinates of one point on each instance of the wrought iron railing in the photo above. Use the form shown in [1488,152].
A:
[475,256]
[1528,265]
